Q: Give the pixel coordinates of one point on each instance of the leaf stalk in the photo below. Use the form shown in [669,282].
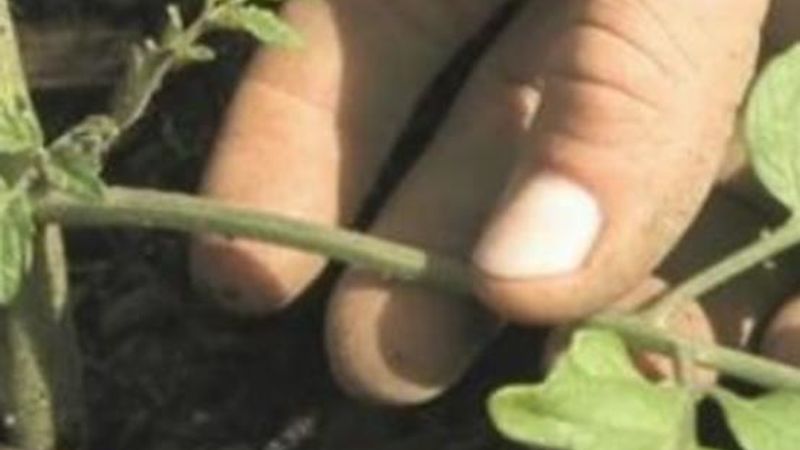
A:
[764,248]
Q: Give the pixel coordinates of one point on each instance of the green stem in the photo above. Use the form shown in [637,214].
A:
[153,209]
[40,376]
[60,338]
[40,357]
[641,333]
[150,65]
[740,261]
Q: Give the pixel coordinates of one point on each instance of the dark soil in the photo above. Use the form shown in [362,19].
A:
[167,370]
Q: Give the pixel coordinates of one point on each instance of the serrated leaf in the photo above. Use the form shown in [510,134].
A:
[19,131]
[13,166]
[175,26]
[175,18]
[19,128]
[76,175]
[74,160]
[768,422]
[16,241]
[594,400]
[259,22]
[772,127]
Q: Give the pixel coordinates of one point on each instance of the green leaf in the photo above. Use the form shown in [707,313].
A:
[16,241]
[74,160]
[175,18]
[765,423]
[19,130]
[13,166]
[260,22]
[595,400]
[198,53]
[772,127]
[75,175]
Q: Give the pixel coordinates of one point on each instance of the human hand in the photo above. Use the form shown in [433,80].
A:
[609,118]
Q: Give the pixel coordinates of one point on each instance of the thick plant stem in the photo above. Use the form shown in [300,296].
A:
[40,359]
[38,365]
[152,209]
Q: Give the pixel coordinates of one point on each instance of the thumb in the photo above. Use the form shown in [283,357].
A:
[638,101]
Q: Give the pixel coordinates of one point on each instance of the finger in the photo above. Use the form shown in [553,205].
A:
[638,103]
[309,129]
[395,343]
[392,342]
[782,337]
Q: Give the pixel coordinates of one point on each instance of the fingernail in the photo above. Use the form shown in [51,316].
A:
[548,227]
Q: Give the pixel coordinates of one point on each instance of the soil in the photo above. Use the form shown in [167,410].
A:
[165,369]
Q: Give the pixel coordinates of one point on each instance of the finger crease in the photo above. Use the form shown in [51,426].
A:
[634,44]
[664,29]
[308,102]
[592,81]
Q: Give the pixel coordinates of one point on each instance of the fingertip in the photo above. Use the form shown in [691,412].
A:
[531,259]
[541,301]
[781,338]
[546,227]
[398,344]
[614,267]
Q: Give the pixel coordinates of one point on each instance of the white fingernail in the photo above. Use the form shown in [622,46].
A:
[548,227]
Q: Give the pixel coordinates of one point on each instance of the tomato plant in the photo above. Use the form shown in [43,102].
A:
[594,398]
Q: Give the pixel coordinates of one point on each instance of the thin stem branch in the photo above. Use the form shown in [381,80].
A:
[740,261]
[152,62]
[153,209]
[761,371]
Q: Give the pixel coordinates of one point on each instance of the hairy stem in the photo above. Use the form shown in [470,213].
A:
[152,209]
[642,334]
[740,261]
[40,374]
[40,357]
[150,64]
